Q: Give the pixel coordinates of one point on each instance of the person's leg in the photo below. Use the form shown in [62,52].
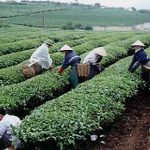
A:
[92,73]
[73,77]
[5,141]
[38,68]
[11,148]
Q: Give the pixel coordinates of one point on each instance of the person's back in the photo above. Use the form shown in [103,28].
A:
[7,122]
[94,58]
[91,58]
[41,56]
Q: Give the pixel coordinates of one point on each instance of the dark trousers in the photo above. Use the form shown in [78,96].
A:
[146,74]
[5,141]
[73,78]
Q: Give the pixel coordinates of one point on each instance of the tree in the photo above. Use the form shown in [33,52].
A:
[97,4]
[88,28]
[78,26]
[68,26]
[133,8]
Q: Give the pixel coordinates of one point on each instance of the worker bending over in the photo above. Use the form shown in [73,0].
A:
[140,57]
[7,139]
[70,59]
[94,58]
[41,57]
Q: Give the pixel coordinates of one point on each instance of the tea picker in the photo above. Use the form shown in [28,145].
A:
[39,61]
[140,58]
[70,59]
[7,139]
[93,59]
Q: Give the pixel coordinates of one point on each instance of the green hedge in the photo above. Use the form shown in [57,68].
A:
[7,93]
[19,46]
[74,115]
[116,50]
[18,57]
[16,95]
[22,45]
[14,74]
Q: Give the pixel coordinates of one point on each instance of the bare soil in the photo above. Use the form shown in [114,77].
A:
[132,130]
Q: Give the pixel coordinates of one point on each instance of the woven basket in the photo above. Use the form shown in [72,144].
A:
[28,72]
[83,70]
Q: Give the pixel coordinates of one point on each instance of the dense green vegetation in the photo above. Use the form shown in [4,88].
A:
[76,114]
[47,84]
[25,8]
[14,74]
[65,119]
[50,14]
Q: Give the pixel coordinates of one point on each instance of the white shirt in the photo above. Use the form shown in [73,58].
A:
[91,58]
[41,56]
[7,122]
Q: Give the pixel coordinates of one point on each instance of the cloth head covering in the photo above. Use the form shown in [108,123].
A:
[49,42]
[41,56]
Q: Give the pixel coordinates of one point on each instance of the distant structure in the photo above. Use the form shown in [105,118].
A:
[76,1]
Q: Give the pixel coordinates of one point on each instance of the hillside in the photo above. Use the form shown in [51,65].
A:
[59,15]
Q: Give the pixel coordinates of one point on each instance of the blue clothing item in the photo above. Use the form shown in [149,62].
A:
[71,59]
[139,58]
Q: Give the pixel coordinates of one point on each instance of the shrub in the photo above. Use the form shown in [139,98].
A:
[88,28]
[73,116]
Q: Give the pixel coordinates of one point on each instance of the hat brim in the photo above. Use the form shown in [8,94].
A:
[137,45]
[100,51]
[66,50]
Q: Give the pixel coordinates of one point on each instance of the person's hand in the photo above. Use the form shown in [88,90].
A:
[51,68]
[60,70]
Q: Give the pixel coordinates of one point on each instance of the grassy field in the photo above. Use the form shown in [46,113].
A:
[86,16]
[25,8]
[50,110]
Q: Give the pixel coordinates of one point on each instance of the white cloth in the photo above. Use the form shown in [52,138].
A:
[41,56]
[7,122]
[91,58]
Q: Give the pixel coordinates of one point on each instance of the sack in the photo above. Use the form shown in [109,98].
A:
[28,72]
[83,70]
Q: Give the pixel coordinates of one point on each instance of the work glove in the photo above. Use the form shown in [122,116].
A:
[60,70]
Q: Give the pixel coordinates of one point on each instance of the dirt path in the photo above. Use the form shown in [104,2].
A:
[131,131]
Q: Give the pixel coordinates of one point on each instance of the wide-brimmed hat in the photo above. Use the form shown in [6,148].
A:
[66,48]
[49,42]
[138,43]
[100,51]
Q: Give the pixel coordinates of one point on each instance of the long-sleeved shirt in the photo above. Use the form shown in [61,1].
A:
[7,122]
[92,58]
[41,56]
[140,58]
[71,59]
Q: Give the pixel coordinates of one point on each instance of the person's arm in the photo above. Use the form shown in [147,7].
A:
[131,64]
[3,128]
[64,66]
[134,67]
[99,59]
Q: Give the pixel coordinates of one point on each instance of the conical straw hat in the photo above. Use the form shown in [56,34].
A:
[100,51]
[138,43]
[66,48]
